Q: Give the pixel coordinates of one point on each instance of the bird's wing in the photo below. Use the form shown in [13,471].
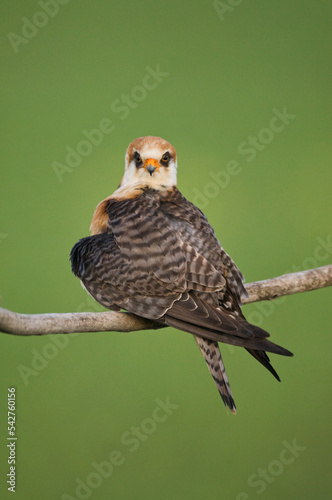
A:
[159,258]
[194,229]
[151,263]
[117,281]
[141,264]
[194,315]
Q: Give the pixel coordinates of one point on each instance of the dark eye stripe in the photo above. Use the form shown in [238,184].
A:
[166,157]
[137,158]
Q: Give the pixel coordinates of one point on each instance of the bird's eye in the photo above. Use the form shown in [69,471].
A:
[137,158]
[166,157]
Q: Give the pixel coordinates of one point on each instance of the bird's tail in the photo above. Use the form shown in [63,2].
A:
[212,356]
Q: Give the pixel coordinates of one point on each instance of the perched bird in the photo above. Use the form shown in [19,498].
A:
[154,254]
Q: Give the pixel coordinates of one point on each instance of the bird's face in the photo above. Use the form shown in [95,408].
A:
[150,161]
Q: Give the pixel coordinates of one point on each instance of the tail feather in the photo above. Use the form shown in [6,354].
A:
[263,358]
[212,356]
[253,343]
[209,325]
[194,315]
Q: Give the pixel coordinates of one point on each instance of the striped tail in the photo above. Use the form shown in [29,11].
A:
[212,356]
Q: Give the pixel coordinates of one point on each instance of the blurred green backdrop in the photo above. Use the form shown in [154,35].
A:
[222,72]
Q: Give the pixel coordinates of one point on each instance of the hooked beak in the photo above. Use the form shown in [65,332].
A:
[151,165]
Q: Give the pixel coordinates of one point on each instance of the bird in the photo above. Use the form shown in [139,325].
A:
[153,253]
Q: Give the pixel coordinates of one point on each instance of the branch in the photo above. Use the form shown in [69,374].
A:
[288,284]
[43,324]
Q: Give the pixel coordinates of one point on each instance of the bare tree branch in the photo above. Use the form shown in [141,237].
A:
[43,324]
[288,284]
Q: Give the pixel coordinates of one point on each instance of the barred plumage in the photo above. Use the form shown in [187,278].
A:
[153,253]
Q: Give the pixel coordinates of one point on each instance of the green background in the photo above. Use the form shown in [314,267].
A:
[226,75]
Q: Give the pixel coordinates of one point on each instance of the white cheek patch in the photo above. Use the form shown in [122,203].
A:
[166,176]
[129,174]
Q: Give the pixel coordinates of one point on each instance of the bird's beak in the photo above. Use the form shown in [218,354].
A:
[151,165]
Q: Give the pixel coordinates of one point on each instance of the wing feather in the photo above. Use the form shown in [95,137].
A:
[159,258]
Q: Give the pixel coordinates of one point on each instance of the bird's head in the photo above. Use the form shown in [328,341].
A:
[150,161]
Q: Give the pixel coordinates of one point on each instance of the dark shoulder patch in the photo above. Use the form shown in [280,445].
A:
[86,252]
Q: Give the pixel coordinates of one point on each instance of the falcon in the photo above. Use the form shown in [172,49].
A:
[153,253]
